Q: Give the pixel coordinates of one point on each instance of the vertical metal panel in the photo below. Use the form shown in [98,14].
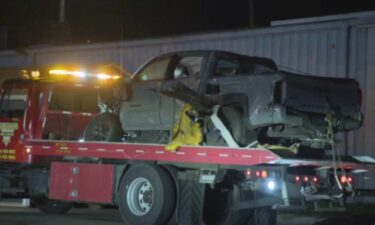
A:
[356,139]
[370,93]
[369,125]
[361,68]
[322,60]
[13,59]
[294,60]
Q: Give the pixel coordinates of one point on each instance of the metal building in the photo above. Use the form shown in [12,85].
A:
[332,46]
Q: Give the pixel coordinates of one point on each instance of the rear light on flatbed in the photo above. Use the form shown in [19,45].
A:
[346,179]
[305,179]
[263,180]
[248,174]
[264,174]
[258,174]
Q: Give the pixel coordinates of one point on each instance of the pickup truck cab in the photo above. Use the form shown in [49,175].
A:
[257,101]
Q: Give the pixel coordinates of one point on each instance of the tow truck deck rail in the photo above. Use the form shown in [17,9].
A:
[186,154]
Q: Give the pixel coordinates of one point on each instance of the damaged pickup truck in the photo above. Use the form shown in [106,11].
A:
[254,101]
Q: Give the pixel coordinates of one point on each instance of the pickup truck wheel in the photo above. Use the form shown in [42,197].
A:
[233,119]
[52,206]
[147,195]
[237,126]
[103,127]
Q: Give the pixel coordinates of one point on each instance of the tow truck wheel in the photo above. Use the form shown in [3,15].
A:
[52,206]
[103,127]
[147,195]
[264,216]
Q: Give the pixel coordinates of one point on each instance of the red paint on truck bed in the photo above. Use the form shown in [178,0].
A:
[75,182]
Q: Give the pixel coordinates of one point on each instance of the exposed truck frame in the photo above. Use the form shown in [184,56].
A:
[195,185]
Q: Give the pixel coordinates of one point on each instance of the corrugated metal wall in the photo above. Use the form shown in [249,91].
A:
[13,59]
[332,49]
[369,128]
[314,49]
[361,66]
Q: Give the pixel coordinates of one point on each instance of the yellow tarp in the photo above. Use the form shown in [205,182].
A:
[185,131]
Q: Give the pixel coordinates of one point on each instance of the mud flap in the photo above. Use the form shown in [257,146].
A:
[234,216]
[190,199]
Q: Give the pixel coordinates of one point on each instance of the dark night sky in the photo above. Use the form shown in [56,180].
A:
[32,22]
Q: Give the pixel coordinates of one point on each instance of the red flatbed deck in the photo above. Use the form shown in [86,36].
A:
[153,152]
[186,154]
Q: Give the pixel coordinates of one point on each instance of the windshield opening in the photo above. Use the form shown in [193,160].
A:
[13,102]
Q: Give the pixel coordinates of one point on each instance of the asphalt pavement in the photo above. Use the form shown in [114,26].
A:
[30,216]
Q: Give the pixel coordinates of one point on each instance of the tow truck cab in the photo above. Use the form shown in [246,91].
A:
[33,109]
[41,108]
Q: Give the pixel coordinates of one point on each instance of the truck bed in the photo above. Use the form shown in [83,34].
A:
[207,155]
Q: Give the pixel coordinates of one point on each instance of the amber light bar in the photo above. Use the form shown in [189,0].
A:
[67,72]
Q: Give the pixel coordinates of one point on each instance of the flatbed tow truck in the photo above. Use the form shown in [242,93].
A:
[43,157]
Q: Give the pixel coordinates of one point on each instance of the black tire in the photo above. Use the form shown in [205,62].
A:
[163,193]
[103,127]
[49,206]
[264,216]
[235,217]
[221,202]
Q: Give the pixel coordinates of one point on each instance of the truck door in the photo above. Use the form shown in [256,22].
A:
[13,104]
[142,110]
[185,69]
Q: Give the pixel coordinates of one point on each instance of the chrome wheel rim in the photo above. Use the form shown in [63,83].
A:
[140,196]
